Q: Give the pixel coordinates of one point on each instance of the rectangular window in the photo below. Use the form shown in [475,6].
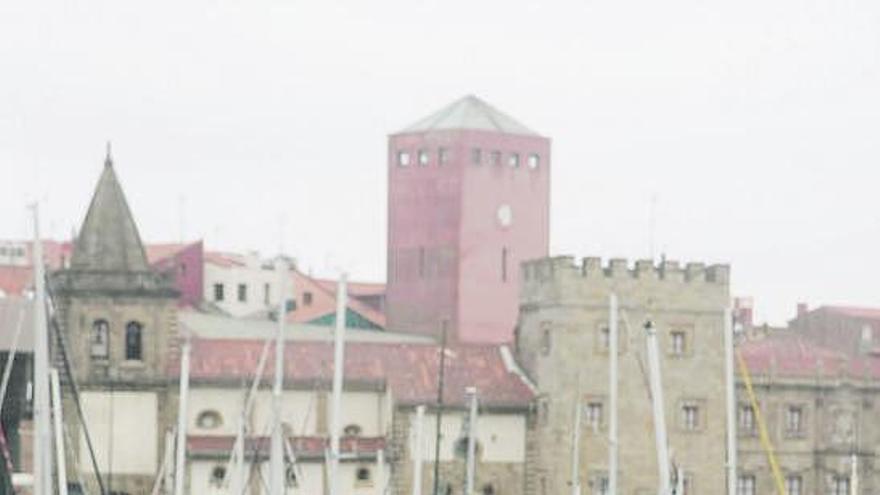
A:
[242,293]
[594,415]
[794,484]
[604,338]
[307,298]
[476,156]
[794,419]
[746,419]
[403,159]
[545,338]
[840,485]
[423,157]
[679,343]
[513,160]
[443,156]
[600,485]
[504,264]
[218,292]
[266,293]
[534,161]
[690,417]
[495,158]
[745,484]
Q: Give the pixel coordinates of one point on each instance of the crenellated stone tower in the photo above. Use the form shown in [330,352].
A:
[118,318]
[562,341]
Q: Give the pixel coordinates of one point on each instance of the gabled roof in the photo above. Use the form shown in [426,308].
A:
[108,240]
[323,301]
[469,113]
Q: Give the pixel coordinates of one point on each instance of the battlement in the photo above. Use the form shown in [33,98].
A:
[670,284]
[620,268]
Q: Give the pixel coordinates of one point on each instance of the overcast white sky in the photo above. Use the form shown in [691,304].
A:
[754,123]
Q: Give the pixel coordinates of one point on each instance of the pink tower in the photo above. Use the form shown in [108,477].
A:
[468,200]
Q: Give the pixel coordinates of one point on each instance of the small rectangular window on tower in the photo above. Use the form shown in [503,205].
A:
[534,161]
[423,157]
[504,264]
[443,156]
[513,160]
[476,156]
[495,157]
[403,159]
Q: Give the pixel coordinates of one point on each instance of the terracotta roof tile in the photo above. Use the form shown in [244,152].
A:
[794,356]
[410,370]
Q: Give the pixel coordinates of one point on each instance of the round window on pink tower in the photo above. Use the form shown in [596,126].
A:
[504,215]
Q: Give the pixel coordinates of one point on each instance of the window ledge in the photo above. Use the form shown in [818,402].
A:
[132,364]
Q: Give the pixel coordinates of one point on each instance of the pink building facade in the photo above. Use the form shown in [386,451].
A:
[468,200]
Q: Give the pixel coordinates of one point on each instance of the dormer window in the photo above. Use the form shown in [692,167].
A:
[100,339]
[403,159]
[423,158]
[133,342]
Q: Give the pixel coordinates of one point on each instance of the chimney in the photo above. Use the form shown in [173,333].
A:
[801,309]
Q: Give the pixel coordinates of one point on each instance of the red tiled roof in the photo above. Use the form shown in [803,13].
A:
[356,289]
[224,259]
[854,312]
[410,370]
[302,446]
[14,280]
[794,356]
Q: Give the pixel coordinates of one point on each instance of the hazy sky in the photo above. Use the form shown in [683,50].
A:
[754,123]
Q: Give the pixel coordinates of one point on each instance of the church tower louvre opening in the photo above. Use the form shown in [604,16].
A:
[118,319]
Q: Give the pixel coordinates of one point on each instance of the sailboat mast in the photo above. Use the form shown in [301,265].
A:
[418,450]
[276,459]
[471,393]
[613,343]
[576,445]
[730,392]
[180,452]
[42,438]
[58,419]
[656,384]
[338,374]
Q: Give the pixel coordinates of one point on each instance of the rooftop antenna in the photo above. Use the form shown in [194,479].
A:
[652,224]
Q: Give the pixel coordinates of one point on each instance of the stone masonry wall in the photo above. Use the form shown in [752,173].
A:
[563,346]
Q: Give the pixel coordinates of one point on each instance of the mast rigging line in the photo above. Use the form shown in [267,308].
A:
[74,389]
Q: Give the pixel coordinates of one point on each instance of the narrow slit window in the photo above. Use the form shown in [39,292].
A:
[476,156]
[504,257]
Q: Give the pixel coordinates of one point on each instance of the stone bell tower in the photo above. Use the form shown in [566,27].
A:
[118,317]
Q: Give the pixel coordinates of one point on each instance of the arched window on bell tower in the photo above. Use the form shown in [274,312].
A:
[100,339]
[133,341]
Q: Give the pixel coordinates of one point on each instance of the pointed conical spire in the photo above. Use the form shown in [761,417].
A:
[108,240]
[108,159]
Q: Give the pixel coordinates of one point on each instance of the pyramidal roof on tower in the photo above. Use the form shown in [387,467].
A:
[108,240]
[470,113]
